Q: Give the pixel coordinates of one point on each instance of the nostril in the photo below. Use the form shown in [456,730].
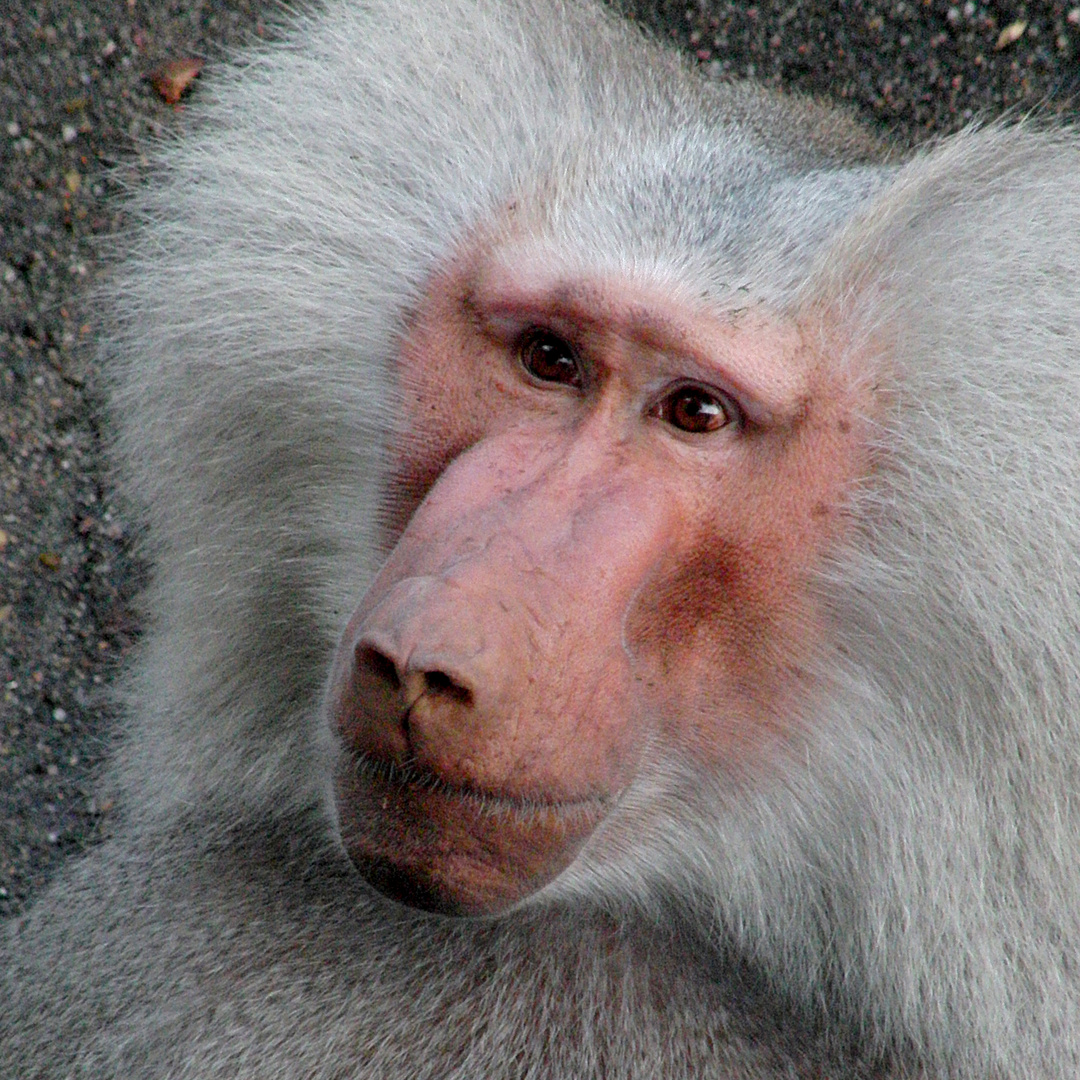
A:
[378,678]
[439,684]
[379,665]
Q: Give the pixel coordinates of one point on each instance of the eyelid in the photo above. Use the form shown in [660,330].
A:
[511,329]
[505,328]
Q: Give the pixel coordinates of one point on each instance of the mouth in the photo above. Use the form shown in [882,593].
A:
[451,848]
[485,800]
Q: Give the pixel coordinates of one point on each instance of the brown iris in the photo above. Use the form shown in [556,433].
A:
[545,356]
[695,410]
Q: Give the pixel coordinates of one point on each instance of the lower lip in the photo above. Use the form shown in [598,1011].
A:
[452,850]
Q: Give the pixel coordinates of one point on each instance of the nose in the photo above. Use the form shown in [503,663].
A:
[436,683]
[489,652]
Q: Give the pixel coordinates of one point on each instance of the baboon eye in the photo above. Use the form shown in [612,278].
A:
[546,357]
[696,410]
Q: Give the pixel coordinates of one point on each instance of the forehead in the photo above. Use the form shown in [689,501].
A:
[711,208]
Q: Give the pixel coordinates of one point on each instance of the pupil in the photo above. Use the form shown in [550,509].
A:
[696,408]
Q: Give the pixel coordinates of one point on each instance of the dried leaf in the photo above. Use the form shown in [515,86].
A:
[173,78]
[1013,32]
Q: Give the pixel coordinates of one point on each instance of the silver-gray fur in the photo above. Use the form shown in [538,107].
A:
[900,891]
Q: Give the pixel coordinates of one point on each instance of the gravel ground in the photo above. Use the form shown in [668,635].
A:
[76,103]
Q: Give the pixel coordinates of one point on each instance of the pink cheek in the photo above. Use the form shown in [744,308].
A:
[720,635]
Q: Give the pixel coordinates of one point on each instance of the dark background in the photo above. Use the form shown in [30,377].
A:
[76,105]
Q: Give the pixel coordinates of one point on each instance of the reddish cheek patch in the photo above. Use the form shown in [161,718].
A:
[717,645]
[714,628]
[702,591]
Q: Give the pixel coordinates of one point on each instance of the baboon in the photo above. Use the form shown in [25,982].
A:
[616,581]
